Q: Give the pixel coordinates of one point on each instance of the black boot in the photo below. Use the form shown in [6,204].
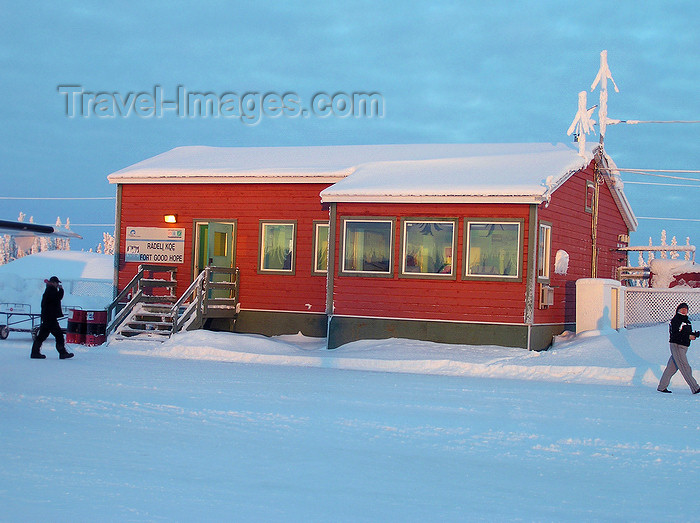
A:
[36,351]
[63,354]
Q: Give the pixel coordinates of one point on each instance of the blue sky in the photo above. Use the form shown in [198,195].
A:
[471,72]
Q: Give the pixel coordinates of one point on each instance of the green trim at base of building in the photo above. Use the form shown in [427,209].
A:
[346,329]
[271,323]
[541,335]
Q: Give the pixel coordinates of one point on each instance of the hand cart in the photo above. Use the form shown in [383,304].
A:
[18,317]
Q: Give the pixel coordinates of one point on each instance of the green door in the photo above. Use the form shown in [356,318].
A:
[220,244]
[220,252]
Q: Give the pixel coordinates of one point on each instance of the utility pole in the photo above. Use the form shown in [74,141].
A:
[602,78]
[582,124]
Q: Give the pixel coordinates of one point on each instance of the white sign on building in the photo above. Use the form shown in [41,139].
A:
[155,245]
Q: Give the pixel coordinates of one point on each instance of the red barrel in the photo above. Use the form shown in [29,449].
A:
[76,327]
[96,328]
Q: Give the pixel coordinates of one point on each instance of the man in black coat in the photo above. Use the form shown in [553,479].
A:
[680,334]
[50,313]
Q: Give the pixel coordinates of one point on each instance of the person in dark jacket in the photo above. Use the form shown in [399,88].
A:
[50,313]
[681,333]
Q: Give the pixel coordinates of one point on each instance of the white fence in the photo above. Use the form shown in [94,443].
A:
[90,288]
[645,306]
[95,288]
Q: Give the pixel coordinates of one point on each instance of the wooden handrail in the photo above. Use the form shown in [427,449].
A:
[194,288]
[158,268]
[135,299]
[133,287]
[123,294]
[201,303]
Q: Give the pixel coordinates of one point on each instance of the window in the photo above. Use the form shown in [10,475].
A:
[590,196]
[544,250]
[321,230]
[367,246]
[277,242]
[493,249]
[427,248]
[220,244]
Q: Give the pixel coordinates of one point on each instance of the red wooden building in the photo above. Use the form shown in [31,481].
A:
[474,244]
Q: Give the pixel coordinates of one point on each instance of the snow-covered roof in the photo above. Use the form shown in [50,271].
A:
[424,173]
[323,164]
[521,173]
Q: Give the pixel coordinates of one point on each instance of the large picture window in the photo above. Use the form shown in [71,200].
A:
[427,248]
[367,246]
[320,247]
[493,249]
[277,243]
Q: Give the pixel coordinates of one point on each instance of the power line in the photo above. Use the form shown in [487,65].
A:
[91,224]
[655,173]
[671,177]
[669,219]
[642,171]
[635,122]
[663,184]
[79,225]
[57,198]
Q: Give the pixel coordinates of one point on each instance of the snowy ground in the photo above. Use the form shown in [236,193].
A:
[212,426]
[215,426]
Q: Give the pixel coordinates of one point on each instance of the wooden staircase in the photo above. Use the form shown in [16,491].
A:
[154,319]
[154,311]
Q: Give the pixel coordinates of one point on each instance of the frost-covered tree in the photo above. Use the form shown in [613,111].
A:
[36,246]
[66,242]
[674,254]
[108,242]
[58,241]
[663,244]
[62,244]
[6,249]
[11,249]
[17,250]
[47,243]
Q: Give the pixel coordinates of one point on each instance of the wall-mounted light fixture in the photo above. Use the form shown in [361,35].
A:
[170,218]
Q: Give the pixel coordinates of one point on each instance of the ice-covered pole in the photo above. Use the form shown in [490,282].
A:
[602,78]
[582,124]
